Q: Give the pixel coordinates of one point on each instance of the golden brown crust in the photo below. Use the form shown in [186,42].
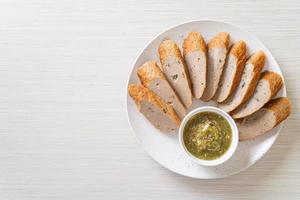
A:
[169,48]
[148,72]
[281,107]
[193,42]
[139,93]
[258,59]
[258,62]
[275,81]
[222,39]
[239,50]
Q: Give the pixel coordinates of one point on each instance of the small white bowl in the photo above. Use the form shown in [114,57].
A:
[234,140]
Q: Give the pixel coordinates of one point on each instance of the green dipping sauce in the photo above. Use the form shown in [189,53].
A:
[207,135]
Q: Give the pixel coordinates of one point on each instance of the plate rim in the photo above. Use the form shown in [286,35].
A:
[126,96]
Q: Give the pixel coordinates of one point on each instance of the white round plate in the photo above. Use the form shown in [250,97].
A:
[165,148]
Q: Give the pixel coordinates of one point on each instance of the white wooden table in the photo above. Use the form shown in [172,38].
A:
[63,127]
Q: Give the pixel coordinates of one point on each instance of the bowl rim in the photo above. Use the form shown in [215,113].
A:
[234,141]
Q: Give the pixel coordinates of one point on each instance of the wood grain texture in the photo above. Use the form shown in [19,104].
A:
[63,71]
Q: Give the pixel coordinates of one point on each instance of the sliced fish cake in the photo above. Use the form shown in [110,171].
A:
[153,78]
[267,87]
[175,70]
[194,52]
[159,113]
[232,73]
[217,51]
[264,119]
[247,85]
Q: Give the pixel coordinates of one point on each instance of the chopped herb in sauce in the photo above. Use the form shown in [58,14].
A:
[207,135]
